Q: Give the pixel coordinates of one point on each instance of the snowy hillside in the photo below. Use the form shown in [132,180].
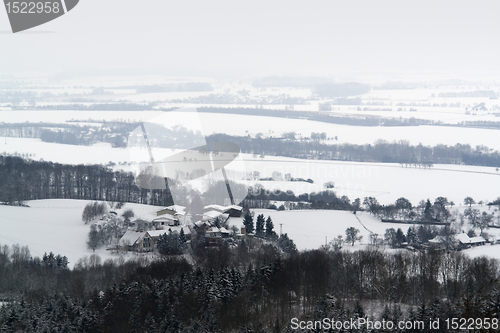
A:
[53,226]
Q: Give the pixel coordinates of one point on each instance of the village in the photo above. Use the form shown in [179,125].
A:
[219,225]
[143,234]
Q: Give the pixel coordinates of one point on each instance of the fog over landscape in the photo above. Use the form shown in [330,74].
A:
[351,40]
[252,166]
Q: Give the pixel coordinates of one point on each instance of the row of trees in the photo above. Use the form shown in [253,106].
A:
[172,243]
[414,236]
[115,132]
[381,151]
[402,209]
[31,180]
[264,228]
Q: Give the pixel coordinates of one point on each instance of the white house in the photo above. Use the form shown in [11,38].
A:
[139,241]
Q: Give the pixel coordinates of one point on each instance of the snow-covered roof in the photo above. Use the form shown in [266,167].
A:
[178,209]
[223,230]
[215,207]
[463,238]
[477,239]
[200,224]
[157,233]
[148,214]
[437,240]
[131,237]
[165,217]
[235,207]
[211,215]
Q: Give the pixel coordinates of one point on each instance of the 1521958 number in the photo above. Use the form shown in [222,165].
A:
[472,323]
[33,7]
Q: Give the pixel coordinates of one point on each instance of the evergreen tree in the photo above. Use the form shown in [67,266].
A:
[428,211]
[182,236]
[411,236]
[286,244]
[259,225]
[248,223]
[270,234]
[170,244]
[400,237]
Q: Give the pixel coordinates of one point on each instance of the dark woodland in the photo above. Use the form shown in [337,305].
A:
[251,288]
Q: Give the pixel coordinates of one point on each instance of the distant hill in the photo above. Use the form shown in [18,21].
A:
[290,81]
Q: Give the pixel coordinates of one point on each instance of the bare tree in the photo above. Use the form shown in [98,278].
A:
[352,235]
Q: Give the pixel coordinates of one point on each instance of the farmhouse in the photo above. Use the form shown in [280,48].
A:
[477,241]
[138,241]
[165,220]
[466,242]
[172,210]
[167,217]
[232,210]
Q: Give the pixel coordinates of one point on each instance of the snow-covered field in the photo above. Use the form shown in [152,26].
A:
[53,226]
[384,181]
[101,153]
[310,229]
[275,127]
[486,250]
[270,126]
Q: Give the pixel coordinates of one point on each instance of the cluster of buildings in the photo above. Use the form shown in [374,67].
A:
[460,241]
[143,234]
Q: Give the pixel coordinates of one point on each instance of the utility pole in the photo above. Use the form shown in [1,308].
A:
[281,229]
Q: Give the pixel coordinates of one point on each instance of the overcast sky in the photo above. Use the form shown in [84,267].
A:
[259,38]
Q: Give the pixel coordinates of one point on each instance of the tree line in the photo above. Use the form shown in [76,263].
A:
[401,152]
[115,133]
[24,180]
[381,151]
